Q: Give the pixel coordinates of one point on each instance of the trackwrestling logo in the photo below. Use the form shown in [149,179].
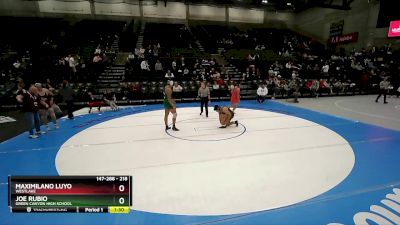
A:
[380,214]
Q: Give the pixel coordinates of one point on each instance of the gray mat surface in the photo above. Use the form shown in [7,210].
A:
[362,108]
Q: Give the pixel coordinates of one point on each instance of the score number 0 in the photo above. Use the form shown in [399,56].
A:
[121,188]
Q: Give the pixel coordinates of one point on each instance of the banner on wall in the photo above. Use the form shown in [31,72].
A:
[394,29]
[342,39]
[336,29]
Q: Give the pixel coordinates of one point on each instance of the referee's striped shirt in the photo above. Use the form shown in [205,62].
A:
[204,92]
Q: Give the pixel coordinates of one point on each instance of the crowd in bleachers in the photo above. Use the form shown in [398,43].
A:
[359,71]
[155,72]
[52,50]
[284,61]
[281,59]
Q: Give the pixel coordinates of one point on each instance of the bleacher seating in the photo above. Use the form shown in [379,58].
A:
[263,49]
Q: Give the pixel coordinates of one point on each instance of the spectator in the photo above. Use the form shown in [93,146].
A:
[314,88]
[195,76]
[137,51]
[277,84]
[205,63]
[196,65]
[325,70]
[72,64]
[130,59]
[294,86]
[220,81]
[17,64]
[216,75]
[141,53]
[169,75]
[144,65]
[183,62]
[155,51]
[97,65]
[186,72]
[289,65]
[262,93]
[97,58]
[337,86]
[97,50]
[325,86]
[212,62]
[173,65]
[134,90]
[215,86]
[49,85]
[158,67]
[177,90]
[246,75]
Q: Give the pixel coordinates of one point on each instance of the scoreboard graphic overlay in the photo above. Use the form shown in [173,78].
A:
[75,194]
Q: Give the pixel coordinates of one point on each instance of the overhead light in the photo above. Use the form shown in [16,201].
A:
[264,1]
[289,3]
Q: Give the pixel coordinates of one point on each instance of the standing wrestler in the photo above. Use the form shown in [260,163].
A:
[235,96]
[225,116]
[46,106]
[170,106]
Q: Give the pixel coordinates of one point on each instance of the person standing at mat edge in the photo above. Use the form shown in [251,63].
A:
[46,106]
[67,95]
[225,116]
[235,97]
[170,106]
[204,95]
[30,106]
[383,89]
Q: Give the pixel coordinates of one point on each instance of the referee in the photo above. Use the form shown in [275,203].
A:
[383,89]
[204,95]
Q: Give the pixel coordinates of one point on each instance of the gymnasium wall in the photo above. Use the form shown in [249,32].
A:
[174,11]
[314,22]
[117,9]
[242,15]
[50,6]
[361,18]
[18,8]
